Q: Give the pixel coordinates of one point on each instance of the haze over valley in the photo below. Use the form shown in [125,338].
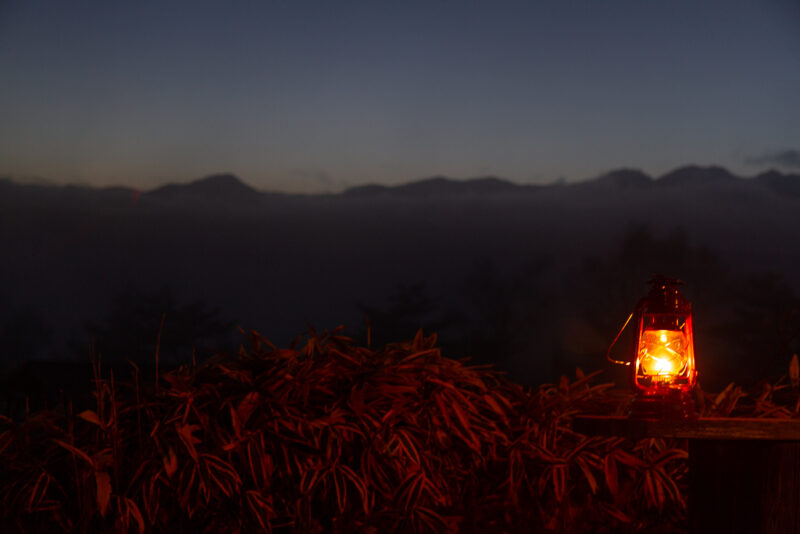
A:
[536,279]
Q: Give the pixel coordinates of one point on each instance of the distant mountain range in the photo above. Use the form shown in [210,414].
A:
[687,176]
[228,189]
[482,248]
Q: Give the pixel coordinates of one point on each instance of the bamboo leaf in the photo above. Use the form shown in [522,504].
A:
[560,481]
[616,513]
[345,357]
[660,497]
[629,459]
[434,521]
[133,510]
[186,434]
[405,490]
[246,407]
[612,475]
[587,473]
[650,489]
[419,341]
[408,445]
[38,491]
[170,461]
[669,455]
[419,354]
[103,491]
[341,491]
[357,401]
[74,450]
[580,447]
[496,408]
[91,416]
[261,509]
[464,420]
[670,486]
[309,480]
[360,486]
[443,410]
[724,393]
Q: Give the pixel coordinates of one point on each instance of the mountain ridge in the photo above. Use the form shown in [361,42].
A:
[227,188]
[436,185]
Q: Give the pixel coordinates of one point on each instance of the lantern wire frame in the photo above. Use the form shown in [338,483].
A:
[608,352]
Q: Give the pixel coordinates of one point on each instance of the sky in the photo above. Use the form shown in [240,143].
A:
[306,96]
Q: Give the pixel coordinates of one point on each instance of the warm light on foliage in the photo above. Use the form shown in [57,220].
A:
[336,437]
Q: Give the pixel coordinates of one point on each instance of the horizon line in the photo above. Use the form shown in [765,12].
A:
[36,180]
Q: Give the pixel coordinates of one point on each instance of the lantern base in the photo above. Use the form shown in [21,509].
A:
[663,404]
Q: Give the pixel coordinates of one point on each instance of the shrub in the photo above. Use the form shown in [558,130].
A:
[336,437]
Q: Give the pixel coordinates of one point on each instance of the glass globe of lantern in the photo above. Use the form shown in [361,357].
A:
[665,351]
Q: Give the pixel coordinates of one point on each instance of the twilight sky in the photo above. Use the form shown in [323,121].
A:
[315,96]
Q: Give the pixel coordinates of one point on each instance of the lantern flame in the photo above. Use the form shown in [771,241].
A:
[663,367]
[663,354]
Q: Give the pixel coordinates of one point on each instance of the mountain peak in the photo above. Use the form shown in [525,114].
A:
[696,175]
[224,183]
[213,188]
[785,184]
[770,174]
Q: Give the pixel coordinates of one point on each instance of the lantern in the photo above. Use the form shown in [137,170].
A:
[662,364]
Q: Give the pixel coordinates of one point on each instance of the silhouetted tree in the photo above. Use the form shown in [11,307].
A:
[409,309]
[608,288]
[506,311]
[497,320]
[23,336]
[762,330]
[131,330]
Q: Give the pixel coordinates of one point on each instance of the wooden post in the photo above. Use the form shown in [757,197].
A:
[744,474]
[744,486]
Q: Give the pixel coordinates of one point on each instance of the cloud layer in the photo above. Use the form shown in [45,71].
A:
[789,159]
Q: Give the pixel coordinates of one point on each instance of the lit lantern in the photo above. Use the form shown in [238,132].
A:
[663,367]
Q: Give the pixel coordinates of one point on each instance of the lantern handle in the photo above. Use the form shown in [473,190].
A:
[608,353]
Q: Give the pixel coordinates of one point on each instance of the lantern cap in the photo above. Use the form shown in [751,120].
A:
[663,280]
[664,296]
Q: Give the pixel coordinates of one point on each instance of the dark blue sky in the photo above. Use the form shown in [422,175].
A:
[314,96]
